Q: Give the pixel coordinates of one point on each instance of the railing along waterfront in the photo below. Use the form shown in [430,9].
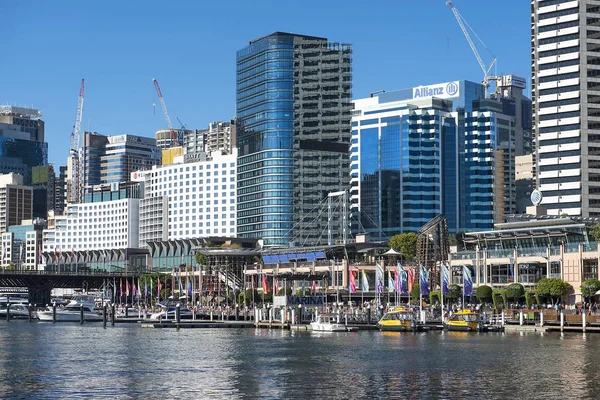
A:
[69,273]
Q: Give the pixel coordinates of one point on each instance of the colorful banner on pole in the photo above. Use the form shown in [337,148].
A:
[364,282]
[445,279]
[352,282]
[467,281]
[424,280]
[379,277]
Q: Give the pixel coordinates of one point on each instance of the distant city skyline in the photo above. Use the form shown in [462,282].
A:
[190,48]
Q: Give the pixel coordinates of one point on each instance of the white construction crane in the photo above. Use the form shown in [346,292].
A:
[174,141]
[74,184]
[486,71]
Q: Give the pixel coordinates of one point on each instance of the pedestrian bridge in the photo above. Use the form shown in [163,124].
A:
[40,283]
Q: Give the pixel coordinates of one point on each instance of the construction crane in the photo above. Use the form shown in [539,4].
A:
[164,108]
[486,71]
[74,184]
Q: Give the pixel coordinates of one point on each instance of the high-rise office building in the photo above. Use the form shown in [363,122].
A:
[112,159]
[293,135]
[412,149]
[565,70]
[15,201]
[22,145]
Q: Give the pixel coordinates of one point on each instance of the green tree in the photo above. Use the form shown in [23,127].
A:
[499,298]
[454,292]
[200,259]
[406,244]
[595,232]
[434,297]
[515,291]
[416,292]
[530,297]
[589,287]
[484,294]
[554,288]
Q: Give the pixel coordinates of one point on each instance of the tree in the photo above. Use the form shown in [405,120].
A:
[595,232]
[434,297]
[589,287]
[454,292]
[515,291]
[200,259]
[499,298]
[406,244]
[554,288]
[484,294]
[416,292]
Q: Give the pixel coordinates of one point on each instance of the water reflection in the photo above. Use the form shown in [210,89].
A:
[64,360]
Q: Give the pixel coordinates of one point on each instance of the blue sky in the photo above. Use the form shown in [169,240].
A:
[190,46]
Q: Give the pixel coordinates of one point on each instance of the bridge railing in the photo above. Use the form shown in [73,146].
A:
[115,274]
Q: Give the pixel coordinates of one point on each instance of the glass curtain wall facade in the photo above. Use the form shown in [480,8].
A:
[399,156]
[293,121]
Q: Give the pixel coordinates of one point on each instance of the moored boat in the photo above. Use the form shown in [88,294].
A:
[465,320]
[398,319]
[327,323]
[72,311]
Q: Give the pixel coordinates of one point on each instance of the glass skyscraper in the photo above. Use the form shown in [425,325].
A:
[293,135]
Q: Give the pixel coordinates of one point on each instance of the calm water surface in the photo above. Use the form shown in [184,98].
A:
[39,360]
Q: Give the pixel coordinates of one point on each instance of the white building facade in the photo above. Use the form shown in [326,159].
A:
[94,226]
[566,108]
[189,200]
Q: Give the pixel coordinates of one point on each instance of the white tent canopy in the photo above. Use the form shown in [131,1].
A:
[391,252]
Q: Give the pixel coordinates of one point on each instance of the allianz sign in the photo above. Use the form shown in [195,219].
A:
[441,90]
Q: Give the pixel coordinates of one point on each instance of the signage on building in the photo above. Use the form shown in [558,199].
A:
[139,176]
[282,301]
[131,139]
[513,80]
[536,197]
[442,90]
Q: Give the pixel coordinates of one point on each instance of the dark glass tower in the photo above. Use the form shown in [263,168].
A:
[293,135]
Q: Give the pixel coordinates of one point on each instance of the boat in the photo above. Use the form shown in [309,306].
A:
[17,311]
[327,323]
[168,313]
[465,320]
[398,319]
[72,311]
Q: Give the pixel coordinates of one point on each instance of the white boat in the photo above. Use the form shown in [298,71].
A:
[168,313]
[72,311]
[17,311]
[327,323]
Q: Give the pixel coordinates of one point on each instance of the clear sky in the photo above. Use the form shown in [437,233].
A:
[190,47]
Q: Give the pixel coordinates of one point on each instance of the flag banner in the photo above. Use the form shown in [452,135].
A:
[139,289]
[410,279]
[467,281]
[391,282]
[379,277]
[158,287]
[121,287]
[145,287]
[134,289]
[364,282]
[314,287]
[252,282]
[352,282]
[265,284]
[126,287]
[424,282]
[402,276]
[275,286]
[303,287]
[510,270]
[445,279]
[396,281]
[189,288]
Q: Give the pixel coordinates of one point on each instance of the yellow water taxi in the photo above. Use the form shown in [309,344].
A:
[465,320]
[398,319]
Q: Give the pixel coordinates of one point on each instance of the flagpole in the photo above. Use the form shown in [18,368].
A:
[442,288]
[362,288]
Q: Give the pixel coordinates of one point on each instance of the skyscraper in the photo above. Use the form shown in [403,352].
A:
[293,135]
[22,145]
[112,159]
[566,95]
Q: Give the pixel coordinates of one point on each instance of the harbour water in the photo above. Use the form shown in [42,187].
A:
[45,360]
